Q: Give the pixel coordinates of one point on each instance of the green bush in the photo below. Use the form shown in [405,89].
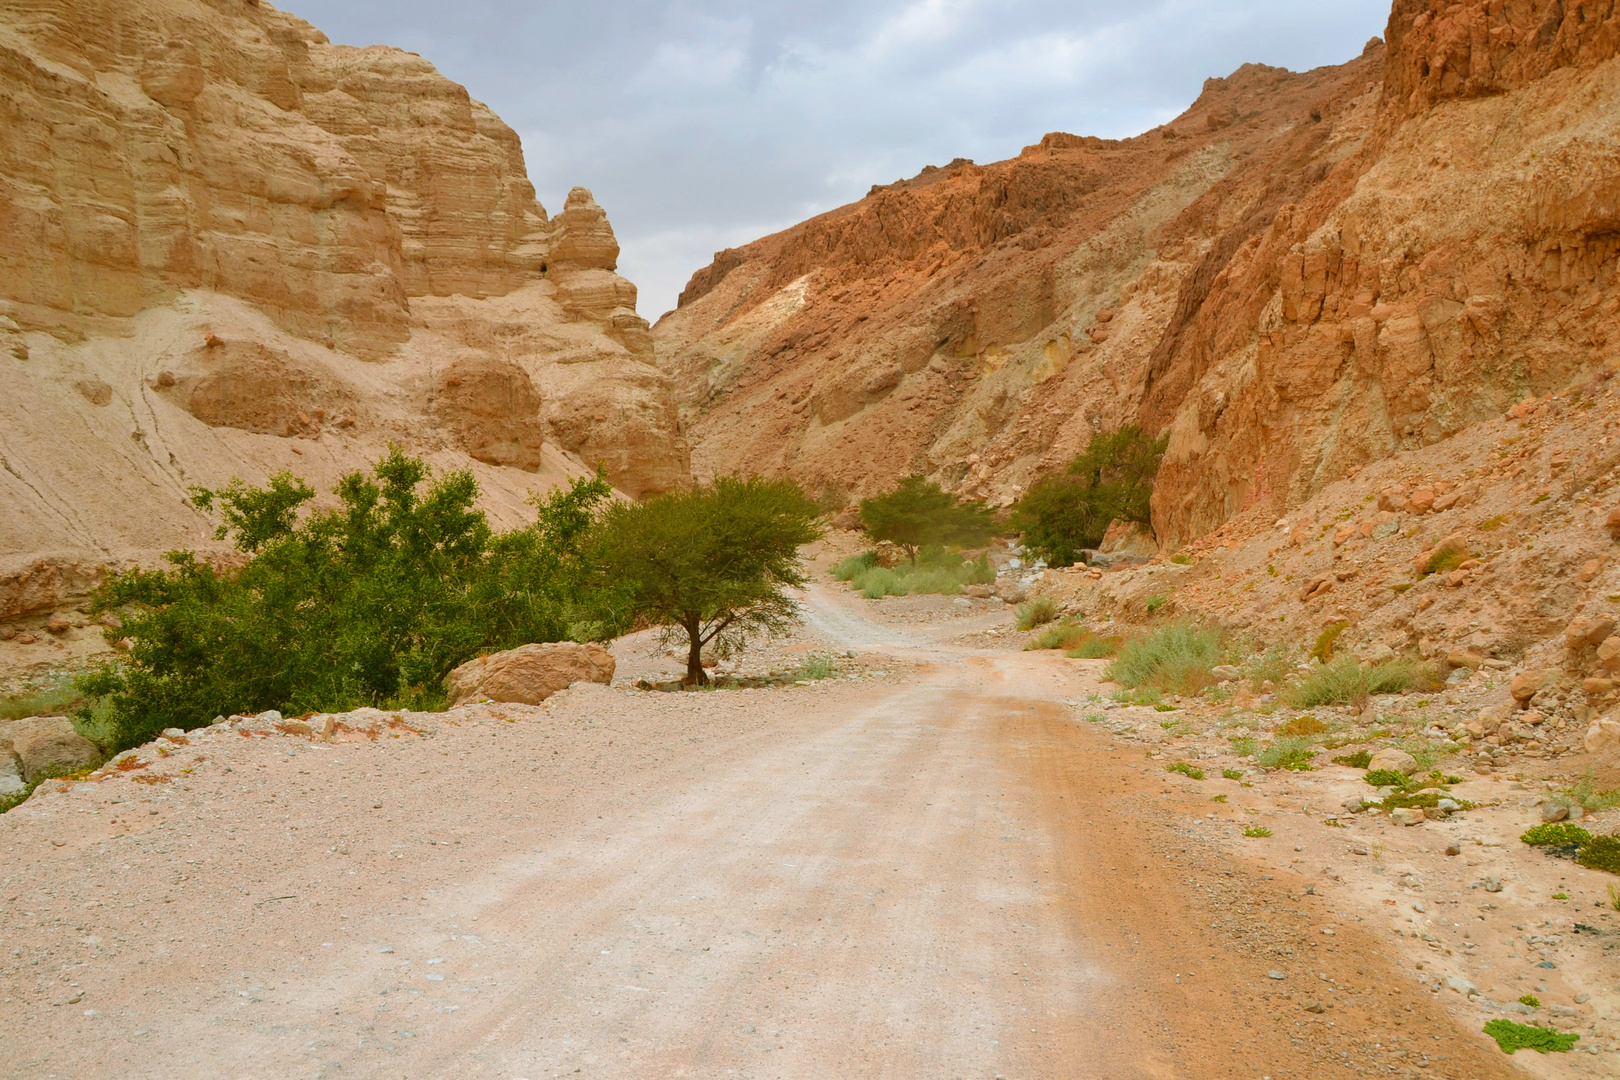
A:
[1557,832]
[1038,612]
[1112,480]
[1586,793]
[1327,639]
[371,602]
[1094,648]
[935,571]
[1388,778]
[1174,659]
[1530,1000]
[1344,681]
[1601,853]
[1358,760]
[1288,752]
[1232,774]
[816,665]
[919,513]
[1065,635]
[1190,771]
[1510,1037]
[1258,832]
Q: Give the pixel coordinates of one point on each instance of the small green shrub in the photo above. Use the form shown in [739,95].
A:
[1530,1000]
[1232,774]
[1601,853]
[1510,1037]
[1589,797]
[1557,832]
[1094,648]
[1444,561]
[1256,831]
[1303,725]
[816,666]
[1244,746]
[879,582]
[1387,778]
[852,567]
[1273,666]
[1189,771]
[1288,752]
[55,696]
[1422,800]
[1174,659]
[1358,760]
[1154,603]
[1323,649]
[1145,696]
[1064,635]
[1345,681]
[1038,612]
[1181,559]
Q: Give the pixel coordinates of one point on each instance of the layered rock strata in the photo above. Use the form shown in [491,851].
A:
[228,247]
[1302,274]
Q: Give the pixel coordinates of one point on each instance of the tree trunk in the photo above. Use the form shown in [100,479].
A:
[695,675]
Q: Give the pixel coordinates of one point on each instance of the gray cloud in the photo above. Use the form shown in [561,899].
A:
[707,123]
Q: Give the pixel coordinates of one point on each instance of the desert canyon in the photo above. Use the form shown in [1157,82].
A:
[1375,310]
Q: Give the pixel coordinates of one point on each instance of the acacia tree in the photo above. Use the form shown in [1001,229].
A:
[919,512]
[1112,480]
[711,565]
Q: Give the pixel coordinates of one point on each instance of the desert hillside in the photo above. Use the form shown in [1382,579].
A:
[1301,275]
[228,247]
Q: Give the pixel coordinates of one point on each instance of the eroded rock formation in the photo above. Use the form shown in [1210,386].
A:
[229,247]
[1302,274]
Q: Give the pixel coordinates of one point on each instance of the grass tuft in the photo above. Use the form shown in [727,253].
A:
[1325,641]
[817,665]
[1358,760]
[1289,752]
[1175,659]
[1256,831]
[1303,725]
[1189,771]
[1038,612]
[939,572]
[1346,681]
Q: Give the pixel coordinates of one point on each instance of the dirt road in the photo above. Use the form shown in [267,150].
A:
[937,872]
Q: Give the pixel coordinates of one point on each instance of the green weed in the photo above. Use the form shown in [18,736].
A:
[1344,681]
[1358,760]
[1388,778]
[1288,752]
[1323,649]
[1190,771]
[1174,659]
[816,666]
[1510,1037]
[1038,612]
[1256,831]
[1601,853]
[1094,648]
[55,696]
[1530,1000]
[1232,774]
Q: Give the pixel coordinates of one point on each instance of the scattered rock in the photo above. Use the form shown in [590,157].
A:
[1391,758]
[1406,815]
[530,673]
[1453,848]
[1586,632]
[1279,976]
[1602,736]
[58,624]
[1225,672]
[1461,985]
[1554,811]
[1525,684]
[1462,658]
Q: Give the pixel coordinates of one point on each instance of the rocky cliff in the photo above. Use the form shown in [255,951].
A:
[1301,275]
[228,247]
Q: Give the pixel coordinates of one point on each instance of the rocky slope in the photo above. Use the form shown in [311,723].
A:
[1301,275]
[228,247]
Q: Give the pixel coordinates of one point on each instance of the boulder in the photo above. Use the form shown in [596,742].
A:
[1525,684]
[1586,631]
[1377,653]
[1462,658]
[1609,653]
[45,745]
[1225,672]
[1554,811]
[1391,758]
[1603,736]
[1407,815]
[11,781]
[529,674]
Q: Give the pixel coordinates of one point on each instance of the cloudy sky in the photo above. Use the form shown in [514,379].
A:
[703,124]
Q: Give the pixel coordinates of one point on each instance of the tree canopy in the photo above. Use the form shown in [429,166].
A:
[1112,480]
[920,513]
[367,603]
[711,565]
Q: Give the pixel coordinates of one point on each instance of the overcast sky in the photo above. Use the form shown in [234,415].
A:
[708,123]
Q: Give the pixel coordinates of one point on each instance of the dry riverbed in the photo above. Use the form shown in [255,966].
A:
[946,860]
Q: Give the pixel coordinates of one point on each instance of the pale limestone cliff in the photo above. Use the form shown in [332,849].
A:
[229,247]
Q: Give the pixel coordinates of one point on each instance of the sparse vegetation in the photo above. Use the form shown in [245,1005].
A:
[1346,681]
[1511,1036]
[1256,831]
[1530,1000]
[1600,853]
[1232,774]
[1112,480]
[1174,659]
[1303,725]
[817,665]
[1064,635]
[1322,650]
[1358,760]
[1586,794]
[54,696]
[1387,778]
[1094,648]
[1192,772]
[1038,612]
[1555,833]
[1288,752]
[711,566]
[1444,561]
[934,571]
[371,602]
[919,513]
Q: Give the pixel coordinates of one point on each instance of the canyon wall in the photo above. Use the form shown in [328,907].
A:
[228,247]
[1302,274]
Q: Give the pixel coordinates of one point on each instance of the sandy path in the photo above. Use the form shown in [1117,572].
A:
[939,874]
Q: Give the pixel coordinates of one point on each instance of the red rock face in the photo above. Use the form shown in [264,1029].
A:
[1302,274]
